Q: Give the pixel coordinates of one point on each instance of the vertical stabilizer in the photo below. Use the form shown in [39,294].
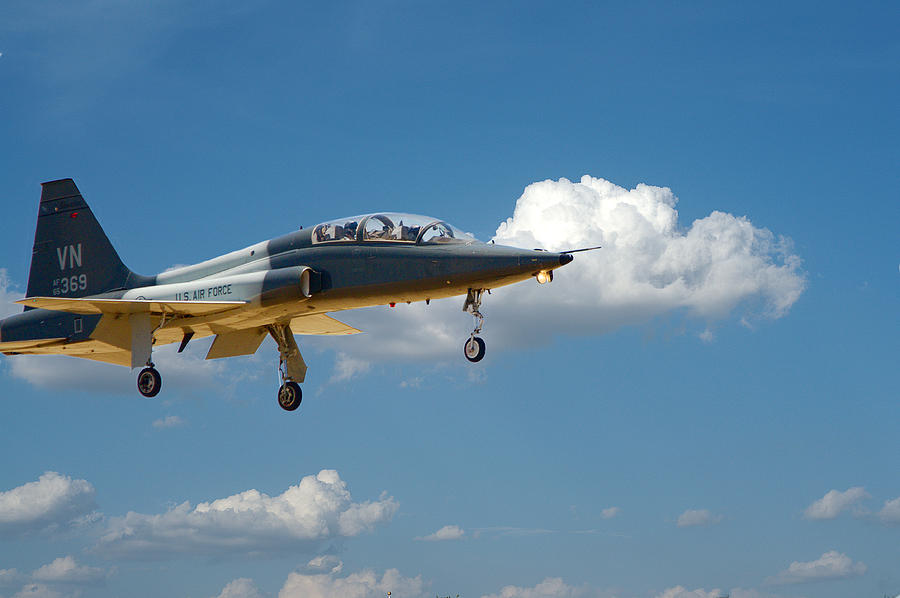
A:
[72,256]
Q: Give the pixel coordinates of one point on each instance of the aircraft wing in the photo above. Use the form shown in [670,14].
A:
[88,305]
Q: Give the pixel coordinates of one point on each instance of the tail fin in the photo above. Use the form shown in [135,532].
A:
[72,256]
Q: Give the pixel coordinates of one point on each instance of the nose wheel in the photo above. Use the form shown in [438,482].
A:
[149,382]
[474,347]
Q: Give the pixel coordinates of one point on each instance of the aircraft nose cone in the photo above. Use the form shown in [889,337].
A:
[565,258]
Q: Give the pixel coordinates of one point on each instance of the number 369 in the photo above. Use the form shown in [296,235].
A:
[74,283]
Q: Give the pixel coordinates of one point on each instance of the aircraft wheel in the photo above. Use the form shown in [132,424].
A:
[290,396]
[474,349]
[149,382]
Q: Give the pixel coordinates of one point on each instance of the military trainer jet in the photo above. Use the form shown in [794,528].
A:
[84,302]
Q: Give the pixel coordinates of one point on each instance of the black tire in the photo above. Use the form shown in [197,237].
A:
[290,396]
[149,382]
[474,349]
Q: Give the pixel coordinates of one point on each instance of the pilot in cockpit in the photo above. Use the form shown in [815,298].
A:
[350,230]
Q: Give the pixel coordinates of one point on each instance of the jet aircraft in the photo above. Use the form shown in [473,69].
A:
[82,301]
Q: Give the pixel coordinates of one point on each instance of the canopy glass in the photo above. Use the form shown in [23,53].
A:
[389,227]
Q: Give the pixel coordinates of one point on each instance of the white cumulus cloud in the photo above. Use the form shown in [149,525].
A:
[9,577]
[302,518]
[831,505]
[610,512]
[551,587]
[324,563]
[831,565]
[649,265]
[51,502]
[65,570]
[365,584]
[448,532]
[39,590]
[698,517]
[681,592]
[169,421]
[240,588]
[347,367]
[8,295]
[890,512]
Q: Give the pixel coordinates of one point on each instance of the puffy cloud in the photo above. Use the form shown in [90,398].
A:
[365,584]
[448,532]
[557,588]
[646,259]
[324,563]
[890,512]
[680,592]
[302,518]
[240,588]
[52,501]
[170,421]
[649,266]
[551,587]
[65,570]
[9,577]
[610,512]
[831,505]
[698,517]
[8,295]
[347,367]
[39,590]
[831,565]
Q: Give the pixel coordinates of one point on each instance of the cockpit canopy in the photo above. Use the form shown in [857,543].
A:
[389,227]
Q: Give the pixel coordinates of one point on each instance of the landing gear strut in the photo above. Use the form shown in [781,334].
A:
[149,382]
[474,347]
[291,367]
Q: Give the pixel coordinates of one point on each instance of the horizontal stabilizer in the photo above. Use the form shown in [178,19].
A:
[130,306]
[15,346]
[320,324]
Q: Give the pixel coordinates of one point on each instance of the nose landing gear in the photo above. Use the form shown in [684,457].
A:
[474,348]
[291,366]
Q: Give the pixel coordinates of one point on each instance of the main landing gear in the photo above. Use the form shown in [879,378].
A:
[291,367]
[474,347]
[149,382]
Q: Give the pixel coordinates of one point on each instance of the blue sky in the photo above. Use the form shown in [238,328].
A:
[625,436]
